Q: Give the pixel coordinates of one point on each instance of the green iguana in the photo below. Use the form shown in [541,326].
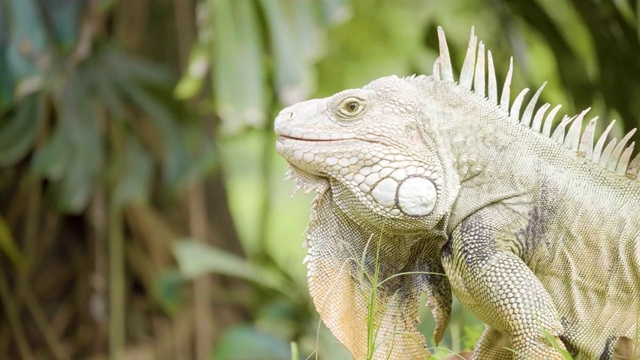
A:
[538,232]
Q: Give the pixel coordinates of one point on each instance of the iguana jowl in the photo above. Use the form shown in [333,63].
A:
[538,232]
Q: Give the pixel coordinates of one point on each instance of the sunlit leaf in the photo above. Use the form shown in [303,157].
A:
[28,86]
[293,73]
[196,259]
[238,68]
[335,11]
[192,80]
[309,34]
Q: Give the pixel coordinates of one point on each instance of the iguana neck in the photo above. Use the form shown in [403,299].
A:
[492,155]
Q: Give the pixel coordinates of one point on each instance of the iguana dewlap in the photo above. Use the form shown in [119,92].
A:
[538,232]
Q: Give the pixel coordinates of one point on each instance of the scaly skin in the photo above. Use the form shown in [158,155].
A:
[423,177]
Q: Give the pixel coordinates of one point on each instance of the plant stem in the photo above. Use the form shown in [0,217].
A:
[116,284]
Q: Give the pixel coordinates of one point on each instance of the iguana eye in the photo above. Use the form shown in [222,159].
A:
[351,107]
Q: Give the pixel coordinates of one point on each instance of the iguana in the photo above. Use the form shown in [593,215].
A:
[538,232]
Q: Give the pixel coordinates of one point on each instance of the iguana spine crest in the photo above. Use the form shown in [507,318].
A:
[616,155]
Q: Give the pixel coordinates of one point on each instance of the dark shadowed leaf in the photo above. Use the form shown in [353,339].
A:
[169,290]
[72,158]
[63,18]
[53,158]
[17,132]
[175,157]
[6,80]
[106,86]
[136,170]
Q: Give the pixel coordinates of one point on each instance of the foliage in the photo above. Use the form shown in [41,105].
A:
[128,126]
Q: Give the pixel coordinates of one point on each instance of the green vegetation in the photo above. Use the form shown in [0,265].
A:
[142,208]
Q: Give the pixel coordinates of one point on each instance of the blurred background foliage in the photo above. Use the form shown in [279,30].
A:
[142,209]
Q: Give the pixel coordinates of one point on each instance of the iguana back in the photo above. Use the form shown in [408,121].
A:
[538,232]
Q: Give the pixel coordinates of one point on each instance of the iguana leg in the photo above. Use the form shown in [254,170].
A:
[500,289]
[493,345]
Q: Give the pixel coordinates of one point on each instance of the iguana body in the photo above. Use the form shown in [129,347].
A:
[537,233]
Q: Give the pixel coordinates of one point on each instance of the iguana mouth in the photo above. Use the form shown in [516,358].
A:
[311,139]
[325,140]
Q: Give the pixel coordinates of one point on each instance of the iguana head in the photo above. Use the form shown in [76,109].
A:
[378,149]
[385,185]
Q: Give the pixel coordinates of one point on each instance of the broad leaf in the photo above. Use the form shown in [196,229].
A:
[135,170]
[196,259]
[29,41]
[18,131]
[243,342]
[238,68]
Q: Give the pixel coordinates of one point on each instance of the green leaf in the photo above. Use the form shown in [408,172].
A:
[18,132]
[127,68]
[169,290]
[335,11]
[80,120]
[63,17]
[203,154]
[136,170]
[309,34]
[175,157]
[73,157]
[243,342]
[196,259]
[191,82]
[6,80]
[140,83]
[238,70]
[29,43]
[293,73]
[52,160]
[106,86]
